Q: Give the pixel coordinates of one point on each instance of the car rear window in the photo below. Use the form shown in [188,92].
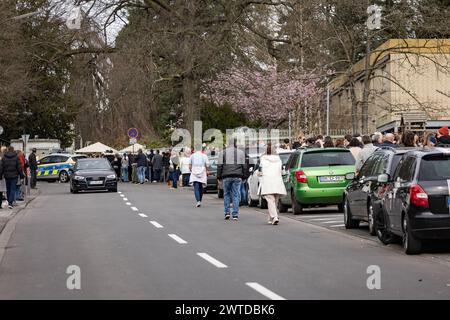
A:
[323,159]
[435,168]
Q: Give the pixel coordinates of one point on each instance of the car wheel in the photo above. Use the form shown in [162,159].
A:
[262,203]
[63,177]
[297,208]
[281,207]
[411,245]
[349,222]
[220,193]
[371,220]
[112,190]
[341,207]
[251,203]
[72,190]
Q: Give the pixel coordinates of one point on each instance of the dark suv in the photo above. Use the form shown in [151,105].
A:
[416,203]
[363,195]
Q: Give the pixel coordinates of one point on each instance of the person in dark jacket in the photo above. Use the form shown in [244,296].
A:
[157,166]
[117,165]
[443,137]
[11,170]
[141,161]
[232,169]
[165,166]
[388,141]
[32,161]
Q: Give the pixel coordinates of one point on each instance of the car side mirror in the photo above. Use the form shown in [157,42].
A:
[383,178]
[350,176]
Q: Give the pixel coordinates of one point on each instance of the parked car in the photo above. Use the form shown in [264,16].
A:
[363,195]
[56,166]
[316,177]
[212,175]
[93,174]
[254,198]
[416,203]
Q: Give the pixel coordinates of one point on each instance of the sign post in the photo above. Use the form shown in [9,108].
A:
[133,133]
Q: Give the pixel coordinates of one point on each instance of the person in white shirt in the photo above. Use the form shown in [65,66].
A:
[184,167]
[198,165]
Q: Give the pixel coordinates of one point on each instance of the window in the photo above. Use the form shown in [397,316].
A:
[46,160]
[367,168]
[60,159]
[434,168]
[331,158]
[405,170]
[381,165]
[293,159]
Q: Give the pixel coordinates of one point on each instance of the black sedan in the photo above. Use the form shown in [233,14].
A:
[93,174]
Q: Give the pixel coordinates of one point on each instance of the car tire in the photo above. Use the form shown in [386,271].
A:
[341,207]
[251,203]
[371,220]
[73,190]
[220,193]
[63,177]
[297,208]
[411,245]
[112,190]
[281,207]
[262,203]
[349,222]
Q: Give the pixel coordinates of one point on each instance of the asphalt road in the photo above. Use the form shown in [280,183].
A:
[149,242]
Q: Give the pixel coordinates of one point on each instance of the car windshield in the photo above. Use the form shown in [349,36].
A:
[323,159]
[100,164]
[435,168]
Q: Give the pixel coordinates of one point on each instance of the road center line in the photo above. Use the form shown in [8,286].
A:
[264,291]
[128,203]
[119,192]
[143,215]
[134,209]
[122,195]
[177,239]
[211,260]
[156,224]
[125,199]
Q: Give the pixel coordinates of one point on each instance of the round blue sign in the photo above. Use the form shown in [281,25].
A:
[133,132]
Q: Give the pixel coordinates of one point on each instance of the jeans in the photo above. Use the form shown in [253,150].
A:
[18,194]
[141,174]
[244,193]
[186,177]
[33,179]
[11,190]
[198,191]
[174,175]
[231,191]
[125,174]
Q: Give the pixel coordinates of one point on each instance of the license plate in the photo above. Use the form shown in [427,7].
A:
[332,179]
[96,182]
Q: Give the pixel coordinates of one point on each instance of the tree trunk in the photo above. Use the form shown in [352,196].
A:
[191,103]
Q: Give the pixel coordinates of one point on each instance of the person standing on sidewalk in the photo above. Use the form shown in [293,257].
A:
[2,181]
[11,171]
[184,167]
[198,165]
[232,169]
[141,162]
[32,161]
[124,168]
[271,186]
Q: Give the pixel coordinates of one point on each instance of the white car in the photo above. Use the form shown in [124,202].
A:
[254,198]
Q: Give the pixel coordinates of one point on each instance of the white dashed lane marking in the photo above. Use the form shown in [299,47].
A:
[156,224]
[122,195]
[264,291]
[211,260]
[125,199]
[134,209]
[143,215]
[119,192]
[177,239]
[128,204]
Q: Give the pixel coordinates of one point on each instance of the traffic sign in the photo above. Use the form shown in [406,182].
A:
[133,133]
[133,141]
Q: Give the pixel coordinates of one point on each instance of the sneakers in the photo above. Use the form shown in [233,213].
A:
[227,216]
[235,218]
[10,206]
[198,204]
[275,221]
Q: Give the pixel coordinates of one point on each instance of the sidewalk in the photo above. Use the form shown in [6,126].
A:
[7,214]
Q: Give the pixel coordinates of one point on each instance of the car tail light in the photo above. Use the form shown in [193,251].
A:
[301,176]
[419,197]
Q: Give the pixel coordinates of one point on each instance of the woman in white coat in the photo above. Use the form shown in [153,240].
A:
[271,183]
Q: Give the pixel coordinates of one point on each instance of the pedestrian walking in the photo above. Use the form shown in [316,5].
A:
[117,165]
[10,170]
[198,165]
[185,171]
[141,162]
[157,166]
[124,168]
[2,181]
[20,192]
[271,186]
[174,169]
[32,161]
[232,169]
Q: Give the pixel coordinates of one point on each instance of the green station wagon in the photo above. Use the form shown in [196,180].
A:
[316,177]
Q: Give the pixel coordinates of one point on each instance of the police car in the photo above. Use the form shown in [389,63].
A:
[56,166]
